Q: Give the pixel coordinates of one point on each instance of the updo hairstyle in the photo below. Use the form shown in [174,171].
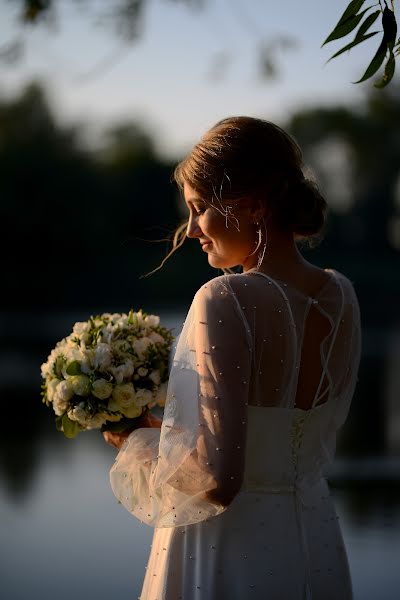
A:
[241,156]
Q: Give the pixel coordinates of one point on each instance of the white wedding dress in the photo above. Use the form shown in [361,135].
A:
[261,380]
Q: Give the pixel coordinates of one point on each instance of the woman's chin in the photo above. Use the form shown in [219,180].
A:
[218,263]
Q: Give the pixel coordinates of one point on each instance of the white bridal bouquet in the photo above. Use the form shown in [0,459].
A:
[108,371]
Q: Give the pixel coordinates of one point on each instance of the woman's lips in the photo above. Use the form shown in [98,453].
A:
[206,245]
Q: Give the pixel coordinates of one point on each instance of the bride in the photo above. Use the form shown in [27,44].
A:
[232,478]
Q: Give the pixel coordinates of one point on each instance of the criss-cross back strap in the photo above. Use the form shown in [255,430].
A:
[325,366]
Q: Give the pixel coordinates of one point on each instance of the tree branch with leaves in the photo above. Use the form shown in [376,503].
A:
[388,49]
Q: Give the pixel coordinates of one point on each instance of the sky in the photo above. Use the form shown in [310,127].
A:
[167,79]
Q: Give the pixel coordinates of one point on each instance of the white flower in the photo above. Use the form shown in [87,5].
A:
[102,356]
[140,318]
[107,333]
[51,388]
[62,395]
[156,338]
[45,369]
[140,346]
[123,400]
[123,371]
[81,328]
[161,394]
[155,376]
[96,421]
[79,414]
[143,396]
[65,390]
[80,384]
[101,388]
[142,371]
[152,320]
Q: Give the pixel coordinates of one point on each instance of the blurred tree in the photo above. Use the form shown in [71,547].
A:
[369,141]
[79,227]
[364,228]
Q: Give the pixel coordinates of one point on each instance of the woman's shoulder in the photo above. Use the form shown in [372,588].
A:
[220,288]
[346,281]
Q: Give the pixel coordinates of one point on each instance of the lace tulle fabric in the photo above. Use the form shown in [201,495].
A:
[250,345]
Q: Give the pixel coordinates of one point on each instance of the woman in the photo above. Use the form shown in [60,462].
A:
[262,379]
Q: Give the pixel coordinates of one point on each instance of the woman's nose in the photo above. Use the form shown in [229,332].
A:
[193,230]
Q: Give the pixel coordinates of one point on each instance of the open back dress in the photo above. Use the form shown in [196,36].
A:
[261,380]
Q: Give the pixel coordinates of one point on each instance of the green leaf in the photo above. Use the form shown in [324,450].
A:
[375,62]
[344,29]
[351,10]
[389,25]
[70,428]
[356,41]
[74,368]
[389,72]
[367,23]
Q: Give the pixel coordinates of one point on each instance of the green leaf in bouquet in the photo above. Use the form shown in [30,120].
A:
[58,366]
[43,393]
[70,428]
[74,368]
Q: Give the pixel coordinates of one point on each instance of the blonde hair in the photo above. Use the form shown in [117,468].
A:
[242,156]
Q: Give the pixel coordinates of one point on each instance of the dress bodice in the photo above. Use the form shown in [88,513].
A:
[287,447]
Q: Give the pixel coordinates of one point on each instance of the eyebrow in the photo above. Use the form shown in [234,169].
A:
[195,200]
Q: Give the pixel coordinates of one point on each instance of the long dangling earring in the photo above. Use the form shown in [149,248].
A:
[262,253]
[259,234]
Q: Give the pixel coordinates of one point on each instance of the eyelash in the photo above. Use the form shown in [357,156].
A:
[200,211]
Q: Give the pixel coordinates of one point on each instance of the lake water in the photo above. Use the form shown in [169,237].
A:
[64,535]
[67,536]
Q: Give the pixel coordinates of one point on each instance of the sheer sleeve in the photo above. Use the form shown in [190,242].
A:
[193,467]
[350,350]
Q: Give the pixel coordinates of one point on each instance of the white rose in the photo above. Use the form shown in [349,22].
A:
[123,371]
[143,397]
[79,414]
[156,338]
[142,371]
[161,394]
[102,389]
[152,320]
[140,346]
[62,395]
[123,400]
[65,390]
[122,322]
[45,369]
[51,388]
[80,384]
[102,356]
[155,376]
[107,333]
[96,421]
[80,328]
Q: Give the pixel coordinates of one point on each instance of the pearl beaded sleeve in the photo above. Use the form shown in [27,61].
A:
[193,468]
